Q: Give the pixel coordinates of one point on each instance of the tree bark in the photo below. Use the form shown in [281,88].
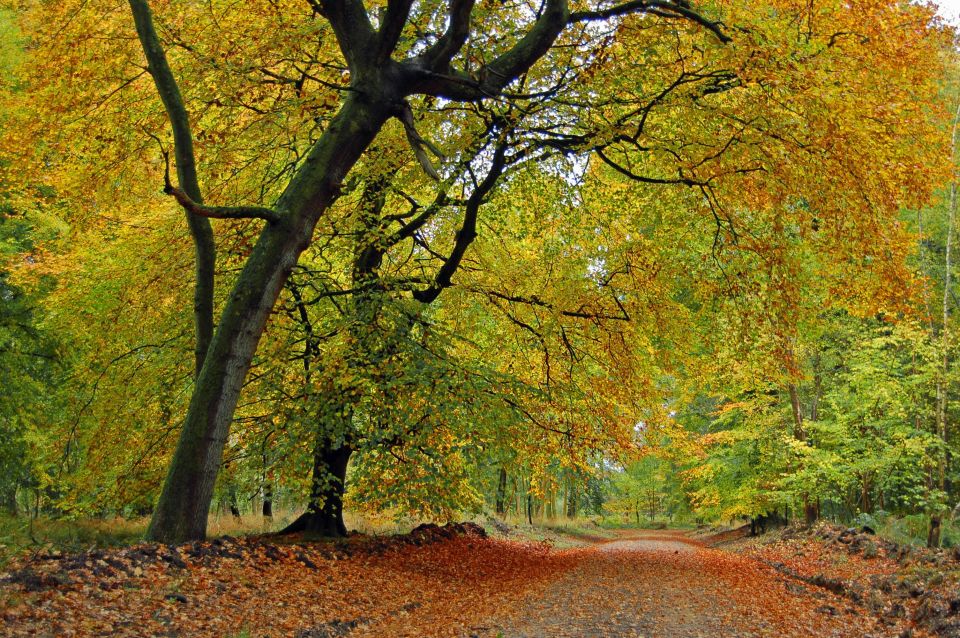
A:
[181,512]
[268,499]
[324,515]
[501,491]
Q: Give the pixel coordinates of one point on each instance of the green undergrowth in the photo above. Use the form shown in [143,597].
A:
[909,530]
[21,534]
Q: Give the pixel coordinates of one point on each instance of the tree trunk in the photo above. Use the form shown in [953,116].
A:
[324,515]
[268,499]
[8,500]
[573,499]
[810,511]
[234,506]
[501,491]
[205,261]
[866,503]
[181,512]
[933,535]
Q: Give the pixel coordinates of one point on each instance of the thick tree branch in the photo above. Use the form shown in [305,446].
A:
[351,25]
[394,19]
[435,76]
[431,78]
[200,228]
[438,56]
[660,8]
[222,212]
[418,143]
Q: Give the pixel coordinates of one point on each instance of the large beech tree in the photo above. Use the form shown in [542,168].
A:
[279,104]
[379,85]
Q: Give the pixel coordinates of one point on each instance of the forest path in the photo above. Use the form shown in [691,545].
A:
[663,585]
[649,584]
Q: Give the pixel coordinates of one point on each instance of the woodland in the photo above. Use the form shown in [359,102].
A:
[631,261]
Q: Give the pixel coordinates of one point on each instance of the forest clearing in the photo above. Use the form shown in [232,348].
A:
[661,293]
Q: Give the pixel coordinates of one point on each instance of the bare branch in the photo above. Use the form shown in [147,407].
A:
[662,8]
[534,300]
[216,212]
[468,229]
[641,178]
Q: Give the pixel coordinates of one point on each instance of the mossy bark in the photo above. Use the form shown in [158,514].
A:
[181,512]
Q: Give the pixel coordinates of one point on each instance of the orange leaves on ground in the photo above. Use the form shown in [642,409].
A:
[250,588]
[655,584]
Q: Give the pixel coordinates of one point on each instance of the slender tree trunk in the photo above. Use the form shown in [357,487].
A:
[234,506]
[573,498]
[8,500]
[936,518]
[200,229]
[797,409]
[266,481]
[810,511]
[933,534]
[501,491]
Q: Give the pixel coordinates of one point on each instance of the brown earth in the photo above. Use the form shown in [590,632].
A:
[437,582]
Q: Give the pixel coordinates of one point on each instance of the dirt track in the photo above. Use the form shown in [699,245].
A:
[662,585]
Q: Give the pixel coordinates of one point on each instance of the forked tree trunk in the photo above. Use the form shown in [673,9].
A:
[181,512]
